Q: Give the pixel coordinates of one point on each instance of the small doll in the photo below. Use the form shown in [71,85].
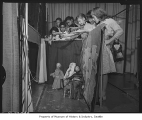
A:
[67,82]
[58,76]
[117,51]
[76,84]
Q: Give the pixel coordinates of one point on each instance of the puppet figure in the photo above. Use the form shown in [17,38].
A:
[58,76]
[67,82]
[76,84]
[117,51]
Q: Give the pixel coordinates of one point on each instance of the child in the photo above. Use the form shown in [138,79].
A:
[53,35]
[58,76]
[86,27]
[58,21]
[90,18]
[63,28]
[81,18]
[112,31]
[69,20]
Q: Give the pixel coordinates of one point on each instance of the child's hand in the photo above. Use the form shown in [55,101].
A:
[84,35]
[62,35]
[107,42]
[82,86]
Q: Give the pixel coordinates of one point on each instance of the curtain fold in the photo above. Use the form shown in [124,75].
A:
[41,73]
[10,101]
[133,33]
[90,63]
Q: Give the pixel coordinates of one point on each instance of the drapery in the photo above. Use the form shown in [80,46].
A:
[10,101]
[90,61]
[27,104]
[63,10]
[63,52]
[41,71]
[133,33]
[37,17]
[33,57]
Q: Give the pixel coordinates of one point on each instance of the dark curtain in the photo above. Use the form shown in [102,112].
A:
[90,64]
[64,53]
[42,20]
[33,13]
[37,17]
[33,53]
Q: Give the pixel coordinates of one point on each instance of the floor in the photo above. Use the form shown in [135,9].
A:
[122,96]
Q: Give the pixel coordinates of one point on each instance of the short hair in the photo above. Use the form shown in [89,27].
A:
[55,29]
[67,18]
[72,18]
[59,19]
[88,14]
[62,23]
[100,13]
[81,15]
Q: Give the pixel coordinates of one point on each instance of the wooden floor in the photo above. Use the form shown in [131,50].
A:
[122,96]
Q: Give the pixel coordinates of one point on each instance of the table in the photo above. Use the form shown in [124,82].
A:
[63,52]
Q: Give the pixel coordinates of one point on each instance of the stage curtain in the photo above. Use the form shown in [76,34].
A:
[41,71]
[33,57]
[133,33]
[63,52]
[10,101]
[37,17]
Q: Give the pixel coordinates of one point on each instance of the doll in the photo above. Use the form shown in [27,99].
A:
[117,51]
[76,84]
[67,82]
[58,76]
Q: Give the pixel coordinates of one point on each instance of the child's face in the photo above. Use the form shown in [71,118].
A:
[81,21]
[76,68]
[91,20]
[53,31]
[69,22]
[58,23]
[62,28]
[95,18]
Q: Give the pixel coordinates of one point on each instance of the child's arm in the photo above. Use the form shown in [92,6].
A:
[57,33]
[76,28]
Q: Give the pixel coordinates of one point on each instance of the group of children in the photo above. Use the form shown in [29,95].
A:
[72,80]
[68,26]
[88,22]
